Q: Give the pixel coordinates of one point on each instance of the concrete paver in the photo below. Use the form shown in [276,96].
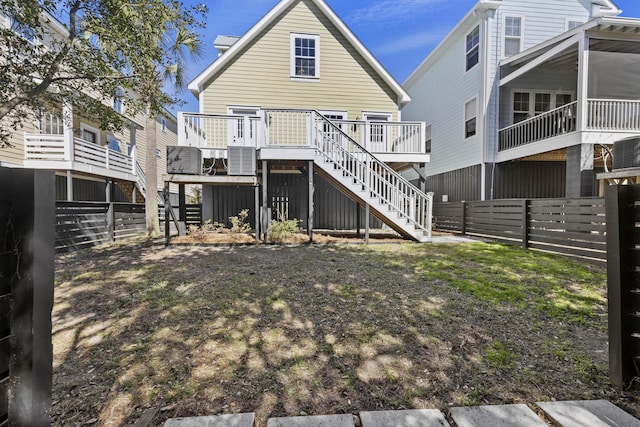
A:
[231,420]
[588,413]
[496,416]
[314,421]
[407,418]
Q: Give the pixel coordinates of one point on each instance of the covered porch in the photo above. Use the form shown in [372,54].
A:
[69,144]
[579,88]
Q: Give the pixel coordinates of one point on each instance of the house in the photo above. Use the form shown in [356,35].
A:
[296,108]
[91,164]
[524,99]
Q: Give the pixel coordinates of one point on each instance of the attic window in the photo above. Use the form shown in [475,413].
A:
[305,56]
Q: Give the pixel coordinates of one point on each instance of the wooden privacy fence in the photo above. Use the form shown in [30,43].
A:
[84,224]
[572,227]
[623,282]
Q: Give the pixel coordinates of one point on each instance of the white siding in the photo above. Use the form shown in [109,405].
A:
[439,97]
[440,91]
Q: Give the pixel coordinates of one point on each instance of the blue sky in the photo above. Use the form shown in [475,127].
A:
[399,33]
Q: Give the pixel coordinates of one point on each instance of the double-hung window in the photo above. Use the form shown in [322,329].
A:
[470,117]
[305,56]
[512,35]
[473,48]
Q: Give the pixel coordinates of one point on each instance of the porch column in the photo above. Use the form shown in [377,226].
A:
[583,82]
[265,201]
[67,133]
[69,186]
[311,190]
[580,174]
[134,149]
[256,191]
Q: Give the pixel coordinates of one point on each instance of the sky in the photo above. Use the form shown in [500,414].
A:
[399,33]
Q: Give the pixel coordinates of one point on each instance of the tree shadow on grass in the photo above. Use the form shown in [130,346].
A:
[311,330]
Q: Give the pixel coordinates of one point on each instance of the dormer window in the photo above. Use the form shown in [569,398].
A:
[305,56]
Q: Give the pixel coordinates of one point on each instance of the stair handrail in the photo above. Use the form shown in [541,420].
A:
[405,198]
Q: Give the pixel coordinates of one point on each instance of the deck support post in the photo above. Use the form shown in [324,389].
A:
[69,186]
[256,191]
[311,207]
[167,214]
[110,211]
[265,201]
[358,219]
[367,214]
[182,210]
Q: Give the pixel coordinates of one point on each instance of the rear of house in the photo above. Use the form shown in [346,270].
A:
[319,115]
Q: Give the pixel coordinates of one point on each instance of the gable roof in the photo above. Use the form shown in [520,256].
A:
[471,18]
[196,86]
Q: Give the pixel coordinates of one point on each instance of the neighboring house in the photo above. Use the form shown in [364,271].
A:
[84,157]
[309,102]
[523,98]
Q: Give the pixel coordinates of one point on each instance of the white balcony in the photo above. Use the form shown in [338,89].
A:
[52,152]
[605,121]
[290,128]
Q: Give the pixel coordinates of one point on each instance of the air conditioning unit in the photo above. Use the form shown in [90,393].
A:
[241,161]
[626,153]
[184,160]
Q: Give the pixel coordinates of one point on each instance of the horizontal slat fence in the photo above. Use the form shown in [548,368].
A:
[571,227]
[82,225]
[623,283]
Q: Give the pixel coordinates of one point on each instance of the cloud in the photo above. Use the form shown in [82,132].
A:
[390,11]
[414,41]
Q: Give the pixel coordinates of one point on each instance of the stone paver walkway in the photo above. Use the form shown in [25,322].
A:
[587,413]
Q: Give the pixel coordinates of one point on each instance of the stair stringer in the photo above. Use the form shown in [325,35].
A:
[355,191]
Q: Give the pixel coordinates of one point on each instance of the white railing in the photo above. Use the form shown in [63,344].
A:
[553,123]
[305,127]
[52,148]
[287,128]
[386,137]
[218,131]
[142,183]
[613,115]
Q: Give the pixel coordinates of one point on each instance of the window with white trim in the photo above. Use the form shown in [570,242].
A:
[512,35]
[23,30]
[117,100]
[427,137]
[305,56]
[50,124]
[473,48]
[89,133]
[470,118]
[528,103]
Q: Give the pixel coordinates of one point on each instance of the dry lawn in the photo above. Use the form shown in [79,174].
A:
[197,330]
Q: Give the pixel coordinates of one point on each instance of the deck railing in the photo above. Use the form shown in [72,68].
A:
[285,128]
[604,115]
[217,131]
[553,123]
[52,148]
[613,115]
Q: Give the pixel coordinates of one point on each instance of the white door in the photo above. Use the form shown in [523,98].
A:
[377,133]
[242,130]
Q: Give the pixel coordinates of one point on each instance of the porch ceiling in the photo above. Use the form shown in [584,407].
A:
[561,156]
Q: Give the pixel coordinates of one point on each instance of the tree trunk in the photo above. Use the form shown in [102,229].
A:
[151,172]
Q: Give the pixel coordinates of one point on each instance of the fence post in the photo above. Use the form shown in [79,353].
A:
[463,227]
[525,223]
[620,281]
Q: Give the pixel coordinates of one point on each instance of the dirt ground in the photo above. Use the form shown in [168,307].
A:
[319,329]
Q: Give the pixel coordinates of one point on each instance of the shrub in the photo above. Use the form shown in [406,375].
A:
[280,230]
[238,222]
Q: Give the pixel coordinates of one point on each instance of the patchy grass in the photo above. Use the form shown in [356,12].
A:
[322,329]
